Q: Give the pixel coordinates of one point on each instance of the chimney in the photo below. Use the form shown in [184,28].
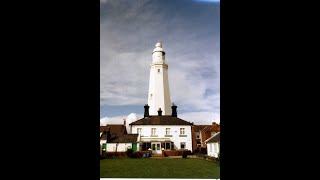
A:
[124,122]
[174,110]
[146,110]
[159,112]
[108,134]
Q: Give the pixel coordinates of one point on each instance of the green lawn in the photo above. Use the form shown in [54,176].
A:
[159,168]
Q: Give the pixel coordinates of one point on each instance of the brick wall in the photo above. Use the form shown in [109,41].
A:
[166,153]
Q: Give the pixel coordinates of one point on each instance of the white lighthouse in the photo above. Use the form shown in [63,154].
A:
[159,94]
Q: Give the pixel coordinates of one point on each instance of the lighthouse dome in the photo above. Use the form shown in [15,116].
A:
[158,48]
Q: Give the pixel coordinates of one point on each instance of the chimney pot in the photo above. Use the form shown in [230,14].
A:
[159,112]
[174,110]
[146,110]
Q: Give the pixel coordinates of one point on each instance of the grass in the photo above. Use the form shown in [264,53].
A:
[159,168]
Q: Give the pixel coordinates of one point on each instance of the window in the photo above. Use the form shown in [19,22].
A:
[146,146]
[139,130]
[167,131]
[199,145]
[153,131]
[182,145]
[167,147]
[181,131]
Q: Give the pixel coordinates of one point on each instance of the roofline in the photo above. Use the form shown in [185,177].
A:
[160,124]
[211,137]
[113,124]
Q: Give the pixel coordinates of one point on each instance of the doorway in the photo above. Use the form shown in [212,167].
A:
[156,148]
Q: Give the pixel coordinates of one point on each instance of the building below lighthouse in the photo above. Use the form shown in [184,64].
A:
[163,132]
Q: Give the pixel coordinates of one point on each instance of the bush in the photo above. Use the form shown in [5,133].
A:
[129,152]
[103,155]
[184,155]
[217,159]
[132,154]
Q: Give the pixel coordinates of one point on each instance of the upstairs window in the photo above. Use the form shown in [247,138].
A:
[167,131]
[153,131]
[182,131]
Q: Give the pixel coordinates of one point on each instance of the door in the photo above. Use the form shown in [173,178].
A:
[104,147]
[134,146]
[156,148]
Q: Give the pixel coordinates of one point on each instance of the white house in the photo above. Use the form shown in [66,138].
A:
[213,145]
[160,132]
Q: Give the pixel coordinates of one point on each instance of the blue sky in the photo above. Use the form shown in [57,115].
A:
[190,32]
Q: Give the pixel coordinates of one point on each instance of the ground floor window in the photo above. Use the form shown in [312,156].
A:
[146,146]
[166,145]
[182,145]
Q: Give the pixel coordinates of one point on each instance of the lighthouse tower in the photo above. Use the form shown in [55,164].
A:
[159,95]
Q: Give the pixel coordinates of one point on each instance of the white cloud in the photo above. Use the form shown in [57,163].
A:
[119,119]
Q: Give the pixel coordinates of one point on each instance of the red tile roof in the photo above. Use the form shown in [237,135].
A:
[114,128]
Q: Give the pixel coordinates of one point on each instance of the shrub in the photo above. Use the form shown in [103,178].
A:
[103,155]
[184,155]
[129,152]
[217,159]
[133,154]
[211,158]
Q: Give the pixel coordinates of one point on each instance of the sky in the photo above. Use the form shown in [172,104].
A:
[190,35]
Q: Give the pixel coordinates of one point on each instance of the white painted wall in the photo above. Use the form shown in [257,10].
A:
[213,149]
[122,147]
[159,94]
[161,132]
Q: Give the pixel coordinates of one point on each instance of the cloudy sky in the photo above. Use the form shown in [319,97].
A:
[190,33]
